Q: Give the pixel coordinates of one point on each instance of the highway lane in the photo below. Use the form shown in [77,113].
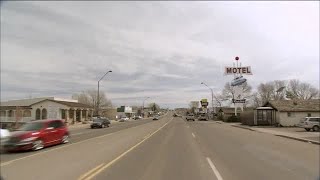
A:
[208,150]
[79,134]
[71,160]
[173,149]
[171,154]
[240,154]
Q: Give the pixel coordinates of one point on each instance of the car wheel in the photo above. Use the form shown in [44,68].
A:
[307,129]
[65,139]
[37,145]
[315,128]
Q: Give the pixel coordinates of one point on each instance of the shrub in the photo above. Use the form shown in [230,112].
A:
[233,118]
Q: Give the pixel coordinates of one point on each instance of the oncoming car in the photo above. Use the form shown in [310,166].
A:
[38,134]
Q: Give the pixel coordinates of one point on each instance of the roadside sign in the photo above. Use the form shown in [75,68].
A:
[238,70]
[204,103]
[204,100]
[238,100]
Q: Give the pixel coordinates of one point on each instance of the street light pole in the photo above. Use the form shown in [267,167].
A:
[98,97]
[143,105]
[213,108]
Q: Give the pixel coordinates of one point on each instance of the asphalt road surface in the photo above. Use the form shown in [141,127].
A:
[167,149]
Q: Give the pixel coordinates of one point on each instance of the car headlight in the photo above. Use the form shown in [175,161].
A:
[29,139]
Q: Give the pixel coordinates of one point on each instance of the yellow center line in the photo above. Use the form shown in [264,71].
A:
[89,172]
[122,155]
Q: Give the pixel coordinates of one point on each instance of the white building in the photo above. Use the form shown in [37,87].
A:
[25,110]
[286,112]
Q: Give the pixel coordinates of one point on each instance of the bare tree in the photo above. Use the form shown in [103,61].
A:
[89,97]
[219,98]
[229,91]
[193,105]
[301,90]
[281,89]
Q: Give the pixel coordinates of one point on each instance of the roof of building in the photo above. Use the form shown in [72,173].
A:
[230,110]
[312,105]
[29,102]
[24,102]
[73,104]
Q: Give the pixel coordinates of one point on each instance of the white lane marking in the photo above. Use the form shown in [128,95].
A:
[123,154]
[193,135]
[214,169]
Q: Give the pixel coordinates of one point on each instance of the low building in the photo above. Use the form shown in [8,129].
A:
[124,111]
[24,110]
[286,112]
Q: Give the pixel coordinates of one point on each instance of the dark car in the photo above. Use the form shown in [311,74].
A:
[100,123]
[38,134]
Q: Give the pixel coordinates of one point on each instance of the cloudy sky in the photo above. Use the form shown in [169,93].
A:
[159,49]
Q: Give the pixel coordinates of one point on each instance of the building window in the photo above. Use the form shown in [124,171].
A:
[309,115]
[259,113]
[63,114]
[289,114]
[3,114]
[10,113]
[27,113]
[44,113]
[37,114]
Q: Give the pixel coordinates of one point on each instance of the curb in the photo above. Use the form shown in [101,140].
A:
[299,139]
[247,128]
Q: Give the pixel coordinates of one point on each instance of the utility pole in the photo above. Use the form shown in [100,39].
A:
[98,97]
[213,107]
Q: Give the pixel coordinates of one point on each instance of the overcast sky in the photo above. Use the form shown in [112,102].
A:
[159,49]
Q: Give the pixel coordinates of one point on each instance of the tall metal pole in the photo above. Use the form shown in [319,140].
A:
[98,97]
[213,108]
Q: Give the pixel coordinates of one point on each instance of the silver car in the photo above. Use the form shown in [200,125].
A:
[310,123]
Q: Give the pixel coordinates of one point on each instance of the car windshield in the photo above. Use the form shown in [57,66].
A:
[97,120]
[34,126]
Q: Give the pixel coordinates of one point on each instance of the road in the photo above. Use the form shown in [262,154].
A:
[170,149]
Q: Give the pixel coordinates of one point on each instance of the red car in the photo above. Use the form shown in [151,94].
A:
[38,134]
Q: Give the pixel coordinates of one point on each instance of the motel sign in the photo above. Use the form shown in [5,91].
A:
[238,70]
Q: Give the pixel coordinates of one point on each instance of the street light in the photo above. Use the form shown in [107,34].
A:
[143,105]
[98,100]
[214,109]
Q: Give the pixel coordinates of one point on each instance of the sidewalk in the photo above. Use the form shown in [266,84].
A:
[292,133]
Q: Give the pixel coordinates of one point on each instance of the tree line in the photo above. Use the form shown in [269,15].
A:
[272,90]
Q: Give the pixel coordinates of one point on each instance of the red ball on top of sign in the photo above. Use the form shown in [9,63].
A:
[237,58]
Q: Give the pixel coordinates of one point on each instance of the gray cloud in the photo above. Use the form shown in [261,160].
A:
[159,49]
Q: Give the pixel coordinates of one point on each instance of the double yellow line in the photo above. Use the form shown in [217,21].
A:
[98,169]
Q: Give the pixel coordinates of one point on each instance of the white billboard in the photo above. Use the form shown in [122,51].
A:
[128,109]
